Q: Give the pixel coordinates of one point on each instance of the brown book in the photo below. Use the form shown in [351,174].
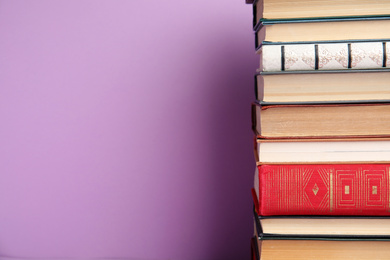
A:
[321,121]
[284,249]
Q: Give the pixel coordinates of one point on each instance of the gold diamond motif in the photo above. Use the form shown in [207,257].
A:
[315,189]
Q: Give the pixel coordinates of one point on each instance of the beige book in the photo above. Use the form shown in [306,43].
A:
[320,226]
[292,9]
[331,30]
[322,151]
[340,86]
[321,121]
[323,250]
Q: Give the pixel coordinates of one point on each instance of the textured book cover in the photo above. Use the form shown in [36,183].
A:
[321,121]
[325,56]
[322,190]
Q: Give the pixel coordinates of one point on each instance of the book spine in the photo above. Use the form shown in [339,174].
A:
[325,56]
[361,190]
[257,7]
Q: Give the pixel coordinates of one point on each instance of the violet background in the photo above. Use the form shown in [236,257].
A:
[125,129]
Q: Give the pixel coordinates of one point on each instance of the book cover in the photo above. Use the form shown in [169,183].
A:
[322,151]
[303,247]
[279,249]
[321,121]
[323,86]
[344,189]
[254,249]
[316,9]
[324,56]
[323,30]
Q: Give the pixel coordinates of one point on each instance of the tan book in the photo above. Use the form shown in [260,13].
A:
[278,249]
[320,238]
[331,30]
[324,86]
[290,226]
[292,9]
[321,121]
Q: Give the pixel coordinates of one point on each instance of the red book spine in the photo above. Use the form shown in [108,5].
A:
[361,190]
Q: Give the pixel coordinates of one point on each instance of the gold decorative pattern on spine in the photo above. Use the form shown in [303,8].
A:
[324,174]
[374,190]
[331,190]
[315,189]
[362,195]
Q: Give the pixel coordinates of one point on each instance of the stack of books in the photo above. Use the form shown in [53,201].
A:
[322,129]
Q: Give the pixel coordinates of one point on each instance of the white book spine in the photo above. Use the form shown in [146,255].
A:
[325,56]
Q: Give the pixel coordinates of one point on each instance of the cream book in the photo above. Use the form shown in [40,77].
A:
[327,86]
[322,30]
[322,151]
[293,9]
[281,246]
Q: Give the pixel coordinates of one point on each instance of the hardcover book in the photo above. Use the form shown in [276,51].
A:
[254,249]
[323,30]
[293,9]
[304,249]
[322,151]
[353,86]
[321,121]
[273,247]
[330,189]
[324,56]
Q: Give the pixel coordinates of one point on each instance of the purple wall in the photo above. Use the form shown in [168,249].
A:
[125,129]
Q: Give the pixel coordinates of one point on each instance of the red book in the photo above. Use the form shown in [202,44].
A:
[344,189]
